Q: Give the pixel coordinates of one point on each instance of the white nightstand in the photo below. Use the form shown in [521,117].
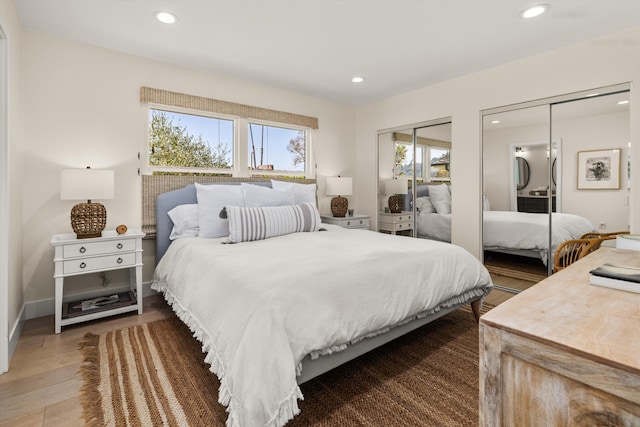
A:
[112,251]
[355,221]
[394,222]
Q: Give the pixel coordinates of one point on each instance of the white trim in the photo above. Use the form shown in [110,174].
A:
[16,330]
[4,208]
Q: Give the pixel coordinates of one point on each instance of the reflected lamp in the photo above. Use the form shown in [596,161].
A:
[87,219]
[397,188]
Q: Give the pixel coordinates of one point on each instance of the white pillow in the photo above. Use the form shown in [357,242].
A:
[247,224]
[185,221]
[424,206]
[256,196]
[211,200]
[485,203]
[303,193]
[440,198]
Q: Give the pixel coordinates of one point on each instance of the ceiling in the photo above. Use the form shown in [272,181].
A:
[315,47]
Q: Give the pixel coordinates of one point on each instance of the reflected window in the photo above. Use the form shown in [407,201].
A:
[404,160]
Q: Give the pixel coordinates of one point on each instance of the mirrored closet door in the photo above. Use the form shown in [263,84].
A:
[414,165]
[552,172]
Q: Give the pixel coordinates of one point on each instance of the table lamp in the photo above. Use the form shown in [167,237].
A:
[339,186]
[87,219]
[397,188]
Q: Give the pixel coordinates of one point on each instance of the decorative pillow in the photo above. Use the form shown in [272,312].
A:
[256,196]
[485,203]
[185,221]
[440,198]
[211,200]
[247,224]
[424,206]
[303,193]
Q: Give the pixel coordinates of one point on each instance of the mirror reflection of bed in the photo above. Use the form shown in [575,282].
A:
[548,137]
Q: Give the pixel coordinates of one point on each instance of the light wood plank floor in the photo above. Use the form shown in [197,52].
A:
[42,387]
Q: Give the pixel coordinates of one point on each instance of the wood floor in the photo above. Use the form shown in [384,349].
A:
[42,387]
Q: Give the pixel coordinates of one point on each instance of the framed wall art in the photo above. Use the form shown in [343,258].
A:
[599,169]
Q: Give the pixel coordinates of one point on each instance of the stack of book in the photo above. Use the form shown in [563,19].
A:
[617,277]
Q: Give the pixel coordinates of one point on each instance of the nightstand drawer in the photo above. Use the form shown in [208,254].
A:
[356,223]
[98,248]
[398,226]
[99,263]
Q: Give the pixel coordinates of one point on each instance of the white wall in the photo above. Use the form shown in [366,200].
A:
[13,32]
[82,108]
[605,61]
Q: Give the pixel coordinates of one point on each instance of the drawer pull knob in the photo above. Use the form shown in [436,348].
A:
[119,246]
[83,265]
[119,260]
[360,221]
[348,222]
[83,249]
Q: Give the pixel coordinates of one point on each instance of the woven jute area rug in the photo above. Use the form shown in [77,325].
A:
[154,374]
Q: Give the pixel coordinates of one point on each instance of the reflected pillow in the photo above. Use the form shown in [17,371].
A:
[248,224]
[185,221]
[424,206]
[256,196]
[211,200]
[486,206]
[303,193]
[440,198]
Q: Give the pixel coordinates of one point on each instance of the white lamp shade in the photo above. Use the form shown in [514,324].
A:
[396,186]
[339,186]
[86,184]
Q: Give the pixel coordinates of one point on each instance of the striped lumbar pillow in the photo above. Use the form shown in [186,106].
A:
[247,224]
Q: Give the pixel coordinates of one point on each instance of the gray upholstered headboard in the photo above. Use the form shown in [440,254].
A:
[422,191]
[169,200]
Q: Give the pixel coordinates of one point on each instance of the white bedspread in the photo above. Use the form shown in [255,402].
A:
[512,230]
[260,307]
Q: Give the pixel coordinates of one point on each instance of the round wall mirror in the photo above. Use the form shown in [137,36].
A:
[522,173]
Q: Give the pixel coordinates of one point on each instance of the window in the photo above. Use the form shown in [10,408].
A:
[276,148]
[404,160]
[187,141]
[439,164]
[181,142]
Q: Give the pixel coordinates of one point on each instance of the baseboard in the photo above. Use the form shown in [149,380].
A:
[16,331]
[46,307]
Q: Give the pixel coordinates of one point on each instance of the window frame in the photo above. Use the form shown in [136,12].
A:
[240,146]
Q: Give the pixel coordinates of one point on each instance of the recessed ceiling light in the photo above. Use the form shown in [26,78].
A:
[495,122]
[623,102]
[165,17]
[357,79]
[534,11]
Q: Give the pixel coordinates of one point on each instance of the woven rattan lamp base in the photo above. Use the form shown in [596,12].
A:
[395,203]
[339,206]
[88,219]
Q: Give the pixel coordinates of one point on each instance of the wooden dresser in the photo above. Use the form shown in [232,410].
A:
[564,352]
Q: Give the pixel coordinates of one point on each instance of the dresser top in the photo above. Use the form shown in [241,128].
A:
[566,311]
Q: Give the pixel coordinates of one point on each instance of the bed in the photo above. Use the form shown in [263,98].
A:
[272,313]
[518,233]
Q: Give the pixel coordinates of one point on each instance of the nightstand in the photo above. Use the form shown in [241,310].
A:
[112,251]
[355,221]
[395,222]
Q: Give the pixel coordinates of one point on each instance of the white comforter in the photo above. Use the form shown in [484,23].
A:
[260,307]
[512,230]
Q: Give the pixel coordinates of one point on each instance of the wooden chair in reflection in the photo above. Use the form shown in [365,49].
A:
[570,251]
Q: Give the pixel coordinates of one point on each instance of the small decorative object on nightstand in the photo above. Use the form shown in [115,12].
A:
[355,221]
[395,222]
[397,188]
[112,251]
[339,186]
[87,219]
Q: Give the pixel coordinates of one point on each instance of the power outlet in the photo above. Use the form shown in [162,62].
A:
[602,225]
